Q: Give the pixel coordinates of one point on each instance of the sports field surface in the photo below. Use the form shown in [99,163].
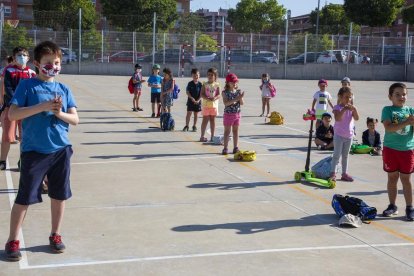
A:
[148,202]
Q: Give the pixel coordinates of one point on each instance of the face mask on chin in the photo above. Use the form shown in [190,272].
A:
[22,60]
[50,70]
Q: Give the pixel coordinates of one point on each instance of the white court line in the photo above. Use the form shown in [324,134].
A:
[23,263]
[216,254]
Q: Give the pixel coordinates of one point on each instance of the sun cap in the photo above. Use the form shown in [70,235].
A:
[350,220]
[231,78]
[326,114]
[156,66]
[323,81]
[139,66]
[346,79]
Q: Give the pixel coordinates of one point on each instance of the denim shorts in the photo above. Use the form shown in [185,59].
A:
[35,166]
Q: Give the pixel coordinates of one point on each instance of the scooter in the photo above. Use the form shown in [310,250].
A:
[307,174]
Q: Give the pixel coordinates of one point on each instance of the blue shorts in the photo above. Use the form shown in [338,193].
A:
[33,168]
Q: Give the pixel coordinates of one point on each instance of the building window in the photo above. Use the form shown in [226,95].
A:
[7,11]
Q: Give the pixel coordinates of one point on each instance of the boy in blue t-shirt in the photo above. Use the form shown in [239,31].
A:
[47,108]
[154,81]
[398,152]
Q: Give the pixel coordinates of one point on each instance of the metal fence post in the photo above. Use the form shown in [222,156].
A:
[278,48]
[306,48]
[357,60]
[102,45]
[80,41]
[382,50]
[251,47]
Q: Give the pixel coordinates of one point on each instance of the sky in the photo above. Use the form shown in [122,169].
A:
[298,7]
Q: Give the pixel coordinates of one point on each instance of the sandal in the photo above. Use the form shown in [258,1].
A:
[203,139]
[225,151]
[235,150]
[185,128]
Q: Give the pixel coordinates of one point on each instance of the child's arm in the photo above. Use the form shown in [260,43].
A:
[217,94]
[19,113]
[241,96]
[355,113]
[172,87]
[313,104]
[330,103]
[391,127]
[339,113]
[71,117]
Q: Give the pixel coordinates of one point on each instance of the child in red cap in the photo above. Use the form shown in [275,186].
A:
[232,99]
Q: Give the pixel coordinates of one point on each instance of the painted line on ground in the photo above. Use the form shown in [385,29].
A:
[217,254]
[23,263]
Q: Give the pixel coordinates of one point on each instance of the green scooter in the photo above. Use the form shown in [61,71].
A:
[307,174]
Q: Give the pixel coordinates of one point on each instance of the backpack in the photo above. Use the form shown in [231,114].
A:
[176,91]
[351,205]
[276,118]
[131,86]
[272,90]
[166,121]
[245,155]
[322,169]
[360,149]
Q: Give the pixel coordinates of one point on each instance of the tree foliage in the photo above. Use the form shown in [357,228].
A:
[324,42]
[206,42]
[332,20]
[64,14]
[137,15]
[408,15]
[373,13]
[256,16]
[13,37]
[190,23]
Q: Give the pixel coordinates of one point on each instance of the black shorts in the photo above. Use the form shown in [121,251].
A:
[156,97]
[35,166]
[193,107]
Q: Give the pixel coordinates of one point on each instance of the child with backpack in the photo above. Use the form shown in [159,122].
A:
[167,87]
[137,81]
[398,151]
[345,114]
[210,93]
[232,99]
[371,137]
[268,91]
[193,92]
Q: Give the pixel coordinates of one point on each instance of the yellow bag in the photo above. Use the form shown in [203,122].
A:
[245,155]
[276,118]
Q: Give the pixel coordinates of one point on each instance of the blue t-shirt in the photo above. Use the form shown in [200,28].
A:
[43,132]
[155,79]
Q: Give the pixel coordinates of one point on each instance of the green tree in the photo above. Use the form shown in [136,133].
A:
[64,14]
[137,15]
[13,37]
[190,23]
[408,15]
[256,16]
[206,42]
[298,43]
[373,13]
[332,20]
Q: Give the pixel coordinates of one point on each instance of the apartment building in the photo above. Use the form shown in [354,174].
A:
[18,12]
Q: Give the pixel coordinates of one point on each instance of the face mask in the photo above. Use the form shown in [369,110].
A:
[50,70]
[22,60]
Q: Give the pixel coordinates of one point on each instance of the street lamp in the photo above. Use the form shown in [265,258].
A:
[286,38]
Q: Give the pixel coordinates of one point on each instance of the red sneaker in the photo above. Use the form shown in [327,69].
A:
[55,242]
[12,250]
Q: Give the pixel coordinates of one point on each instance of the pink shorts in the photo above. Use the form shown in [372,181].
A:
[398,161]
[210,111]
[231,119]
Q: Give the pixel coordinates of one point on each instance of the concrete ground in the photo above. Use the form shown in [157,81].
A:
[147,202]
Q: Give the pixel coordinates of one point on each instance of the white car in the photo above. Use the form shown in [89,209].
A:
[204,56]
[332,56]
[271,57]
[68,56]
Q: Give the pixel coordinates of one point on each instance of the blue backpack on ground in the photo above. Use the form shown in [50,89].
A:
[176,91]
[166,121]
[351,205]
[322,169]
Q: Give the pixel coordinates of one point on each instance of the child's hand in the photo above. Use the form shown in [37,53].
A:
[328,134]
[410,119]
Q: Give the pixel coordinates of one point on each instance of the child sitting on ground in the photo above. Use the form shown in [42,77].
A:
[371,137]
[324,133]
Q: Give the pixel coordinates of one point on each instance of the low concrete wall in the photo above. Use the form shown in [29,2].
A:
[254,71]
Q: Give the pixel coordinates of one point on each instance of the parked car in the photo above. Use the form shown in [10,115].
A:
[392,55]
[204,56]
[169,56]
[238,56]
[311,57]
[332,56]
[270,56]
[68,56]
[122,56]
